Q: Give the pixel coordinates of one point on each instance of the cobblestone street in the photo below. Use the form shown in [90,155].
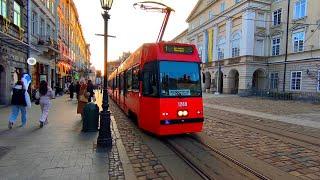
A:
[289,147]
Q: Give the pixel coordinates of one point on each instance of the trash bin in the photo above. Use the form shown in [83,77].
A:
[90,117]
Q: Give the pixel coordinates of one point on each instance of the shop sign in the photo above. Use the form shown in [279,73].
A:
[43,77]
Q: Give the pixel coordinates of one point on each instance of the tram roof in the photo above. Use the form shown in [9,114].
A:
[155,52]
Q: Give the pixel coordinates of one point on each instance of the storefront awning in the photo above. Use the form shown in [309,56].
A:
[15,42]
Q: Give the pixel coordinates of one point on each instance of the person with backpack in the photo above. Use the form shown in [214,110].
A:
[45,94]
[19,103]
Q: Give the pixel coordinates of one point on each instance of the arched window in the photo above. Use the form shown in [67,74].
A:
[220,47]
[235,44]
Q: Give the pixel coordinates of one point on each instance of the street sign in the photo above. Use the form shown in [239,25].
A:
[76,76]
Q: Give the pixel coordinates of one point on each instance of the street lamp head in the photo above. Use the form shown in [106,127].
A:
[106,4]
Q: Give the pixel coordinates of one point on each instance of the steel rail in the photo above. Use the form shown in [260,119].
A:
[229,158]
[201,173]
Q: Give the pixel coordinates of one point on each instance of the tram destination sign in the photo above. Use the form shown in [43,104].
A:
[178,49]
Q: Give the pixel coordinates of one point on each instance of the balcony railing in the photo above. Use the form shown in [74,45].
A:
[47,41]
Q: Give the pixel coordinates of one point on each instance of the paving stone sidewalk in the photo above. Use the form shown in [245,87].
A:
[58,151]
[145,163]
[276,107]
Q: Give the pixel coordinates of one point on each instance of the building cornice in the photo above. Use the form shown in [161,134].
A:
[234,12]
[192,17]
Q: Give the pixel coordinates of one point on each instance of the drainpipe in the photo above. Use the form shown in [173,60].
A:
[28,33]
[286,55]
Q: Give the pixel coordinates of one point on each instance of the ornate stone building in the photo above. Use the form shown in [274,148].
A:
[74,61]
[242,44]
[13,45]
[43,38]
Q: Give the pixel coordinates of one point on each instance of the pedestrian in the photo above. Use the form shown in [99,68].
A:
[77,89]
[90,90]
[71,90]
[45,94]
[19,103]
[83,97]
[57,92]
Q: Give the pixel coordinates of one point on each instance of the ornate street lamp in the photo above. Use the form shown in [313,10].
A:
[104,138]
[106,4]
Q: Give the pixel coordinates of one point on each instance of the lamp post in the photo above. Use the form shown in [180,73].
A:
[104,138]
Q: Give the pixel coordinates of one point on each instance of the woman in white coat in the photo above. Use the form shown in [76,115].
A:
[45,94]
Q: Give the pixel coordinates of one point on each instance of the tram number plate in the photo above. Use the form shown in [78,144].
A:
[182,104]
[180,92]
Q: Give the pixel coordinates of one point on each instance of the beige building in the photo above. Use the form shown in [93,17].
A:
[246,40]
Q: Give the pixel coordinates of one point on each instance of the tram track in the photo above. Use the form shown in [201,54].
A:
[215,164]
[193,166]
[275,131]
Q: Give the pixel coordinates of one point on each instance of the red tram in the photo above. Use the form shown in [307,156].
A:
[160,85]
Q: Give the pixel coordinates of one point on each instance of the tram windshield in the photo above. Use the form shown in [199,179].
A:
[179,79]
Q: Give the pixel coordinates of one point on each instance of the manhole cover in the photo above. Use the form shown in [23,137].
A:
[4,150]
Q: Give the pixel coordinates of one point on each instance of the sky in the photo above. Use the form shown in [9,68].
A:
[132,27]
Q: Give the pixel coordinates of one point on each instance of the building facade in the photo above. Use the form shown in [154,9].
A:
[13,45]
[64,63]
[74,61]
[242,44]
[50,32]
[43,38]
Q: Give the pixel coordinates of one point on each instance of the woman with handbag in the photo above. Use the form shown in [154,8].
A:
[83,97]
[45,94]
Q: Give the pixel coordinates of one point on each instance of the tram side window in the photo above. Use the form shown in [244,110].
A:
[150,79]
[117,82]
[113,84]
[135,79]
[121,84]
[129,80]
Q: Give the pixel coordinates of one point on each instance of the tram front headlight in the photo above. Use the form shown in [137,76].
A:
[185,113]
[182,113]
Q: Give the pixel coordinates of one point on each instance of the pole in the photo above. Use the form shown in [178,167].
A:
[55,72]
[104,138]
[164,24]
[286,54]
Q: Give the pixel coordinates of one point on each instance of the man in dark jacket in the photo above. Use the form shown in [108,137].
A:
[71,90]
[19,103]
[77,89]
